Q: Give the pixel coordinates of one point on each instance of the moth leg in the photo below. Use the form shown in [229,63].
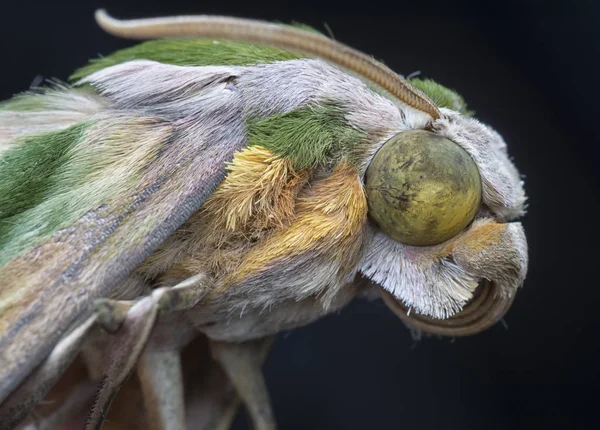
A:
[184,295]
[159,368]
[242,363]
[211,402]
[206,415]
[132,328]
[160,377]
[19,404]
[112,313]
[122,353]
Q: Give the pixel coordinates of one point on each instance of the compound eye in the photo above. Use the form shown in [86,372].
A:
[422,189]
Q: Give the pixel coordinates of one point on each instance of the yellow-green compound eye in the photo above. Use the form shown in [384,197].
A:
[422,188]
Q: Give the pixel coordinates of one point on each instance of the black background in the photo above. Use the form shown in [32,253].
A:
[529,69]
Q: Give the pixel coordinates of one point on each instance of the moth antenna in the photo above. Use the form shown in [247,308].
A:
[278,35]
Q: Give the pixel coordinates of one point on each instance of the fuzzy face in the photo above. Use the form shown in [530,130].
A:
[439,280]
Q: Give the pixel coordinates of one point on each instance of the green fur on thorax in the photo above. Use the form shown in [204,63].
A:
[318,135]
[442,96]
[207,52]
[309,136]
[191,52]
[49,180]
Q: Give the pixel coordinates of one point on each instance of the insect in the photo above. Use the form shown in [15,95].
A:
[227,181]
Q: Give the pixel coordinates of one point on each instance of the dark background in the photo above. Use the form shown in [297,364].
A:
[529,69]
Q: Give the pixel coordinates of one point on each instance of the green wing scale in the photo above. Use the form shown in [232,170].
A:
[83,206]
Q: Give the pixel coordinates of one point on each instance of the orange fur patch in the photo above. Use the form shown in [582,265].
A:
[259,191]
[330,218]
[258,196]
[482,236]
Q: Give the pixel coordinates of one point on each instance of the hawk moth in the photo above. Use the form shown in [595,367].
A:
[233,179]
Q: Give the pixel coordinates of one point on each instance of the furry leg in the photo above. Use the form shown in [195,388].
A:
[122,353]
[115,361]
[159,368]
[160,377]
[184,295]
[130,338]
[242,363]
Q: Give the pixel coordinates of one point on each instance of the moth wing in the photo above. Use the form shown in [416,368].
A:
[211,400]
[47,287]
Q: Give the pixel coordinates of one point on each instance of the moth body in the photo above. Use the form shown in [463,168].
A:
[214,188]
[259,200]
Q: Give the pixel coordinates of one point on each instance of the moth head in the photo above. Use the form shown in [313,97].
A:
[442,199]
[444,243]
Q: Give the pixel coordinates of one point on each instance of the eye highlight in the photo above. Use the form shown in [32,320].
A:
[422,189]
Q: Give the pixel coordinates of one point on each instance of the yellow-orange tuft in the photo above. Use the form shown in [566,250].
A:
[257,197]
[482,235]
[258,193]
[330,218]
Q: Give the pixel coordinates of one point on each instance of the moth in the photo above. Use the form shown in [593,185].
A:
[224,181]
